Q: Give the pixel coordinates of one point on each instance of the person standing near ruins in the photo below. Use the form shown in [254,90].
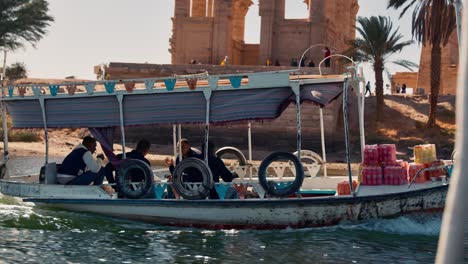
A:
[326,55]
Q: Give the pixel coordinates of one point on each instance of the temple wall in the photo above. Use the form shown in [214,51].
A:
[449,67]
[330,22]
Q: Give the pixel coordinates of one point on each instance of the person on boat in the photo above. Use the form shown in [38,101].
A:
[139,153]
[218,170]
[191,174]
[187,152]
[80,167]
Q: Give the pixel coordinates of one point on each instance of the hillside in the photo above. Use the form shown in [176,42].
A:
[404,124]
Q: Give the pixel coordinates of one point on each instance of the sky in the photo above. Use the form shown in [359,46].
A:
[90,32]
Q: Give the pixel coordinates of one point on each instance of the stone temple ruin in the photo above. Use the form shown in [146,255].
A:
[209,30]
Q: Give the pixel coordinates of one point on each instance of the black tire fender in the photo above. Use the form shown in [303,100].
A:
[3,170]
[234,151]
[198,193]
[124,177]
[269,186]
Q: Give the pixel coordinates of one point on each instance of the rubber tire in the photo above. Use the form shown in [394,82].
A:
[206,186]
[269,186]
[234,151]
[3,171]
[125,167]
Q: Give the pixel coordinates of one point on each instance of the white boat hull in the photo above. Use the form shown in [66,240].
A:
[259,213]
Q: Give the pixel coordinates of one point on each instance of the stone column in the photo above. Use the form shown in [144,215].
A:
[182,8]
[198,8]
[318,27]
[267,14]
[210,8]
[241,7]
[181,12]
[222,30]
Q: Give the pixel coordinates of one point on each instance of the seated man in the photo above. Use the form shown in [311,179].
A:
[218,169]
[187,152]
[81,166]
[142,149]
[191,174]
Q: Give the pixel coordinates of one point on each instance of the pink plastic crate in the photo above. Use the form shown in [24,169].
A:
[394,175]
[371,175]
[398,163]
[387,153]
[371,155]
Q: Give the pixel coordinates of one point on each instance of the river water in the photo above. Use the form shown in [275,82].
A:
[39,235]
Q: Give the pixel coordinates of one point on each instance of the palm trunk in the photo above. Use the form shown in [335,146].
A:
[435,83]
[378,69]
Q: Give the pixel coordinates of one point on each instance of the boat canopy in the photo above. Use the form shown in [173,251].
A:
[164,106]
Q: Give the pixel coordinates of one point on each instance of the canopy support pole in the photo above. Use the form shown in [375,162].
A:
[174,140]
[452,232]
[4,121]
[122,128]
[322,134]
[249,137]
[346,128]
[179,135]
[207,93]
[458,9]
[296,89]
[46,133]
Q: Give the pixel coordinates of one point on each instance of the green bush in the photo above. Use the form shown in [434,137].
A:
[28,135]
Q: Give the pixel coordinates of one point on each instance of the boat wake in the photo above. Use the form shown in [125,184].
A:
[427,224]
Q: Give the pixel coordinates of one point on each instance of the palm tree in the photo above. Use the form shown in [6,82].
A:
[377,42]
[22,21]
[432,23]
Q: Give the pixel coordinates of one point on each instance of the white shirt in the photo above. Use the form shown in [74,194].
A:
[92,164]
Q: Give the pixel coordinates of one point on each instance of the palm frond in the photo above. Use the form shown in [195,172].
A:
[406,64]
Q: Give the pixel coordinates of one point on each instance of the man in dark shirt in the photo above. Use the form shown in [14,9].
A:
[142,149]
[193,175]
[218,170]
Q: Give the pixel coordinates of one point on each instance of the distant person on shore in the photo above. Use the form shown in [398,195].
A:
[277,63]
[80,167]
[326,55]
[403,88]
[139,153]
[225,61]
[268,62]
[303,61]
[311,63]
[398,88]
[368,89]
[293,62]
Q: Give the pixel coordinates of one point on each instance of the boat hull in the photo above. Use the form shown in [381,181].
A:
[259,213]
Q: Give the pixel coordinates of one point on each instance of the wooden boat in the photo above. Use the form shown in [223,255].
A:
[214,99]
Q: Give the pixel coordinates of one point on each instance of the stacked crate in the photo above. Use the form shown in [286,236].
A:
[425,157]
[380,166]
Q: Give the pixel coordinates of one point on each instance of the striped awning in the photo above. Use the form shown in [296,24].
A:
[166,108]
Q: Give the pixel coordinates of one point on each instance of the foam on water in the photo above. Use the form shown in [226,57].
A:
[414,224]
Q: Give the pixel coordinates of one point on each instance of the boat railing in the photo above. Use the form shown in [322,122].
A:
[443,167]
